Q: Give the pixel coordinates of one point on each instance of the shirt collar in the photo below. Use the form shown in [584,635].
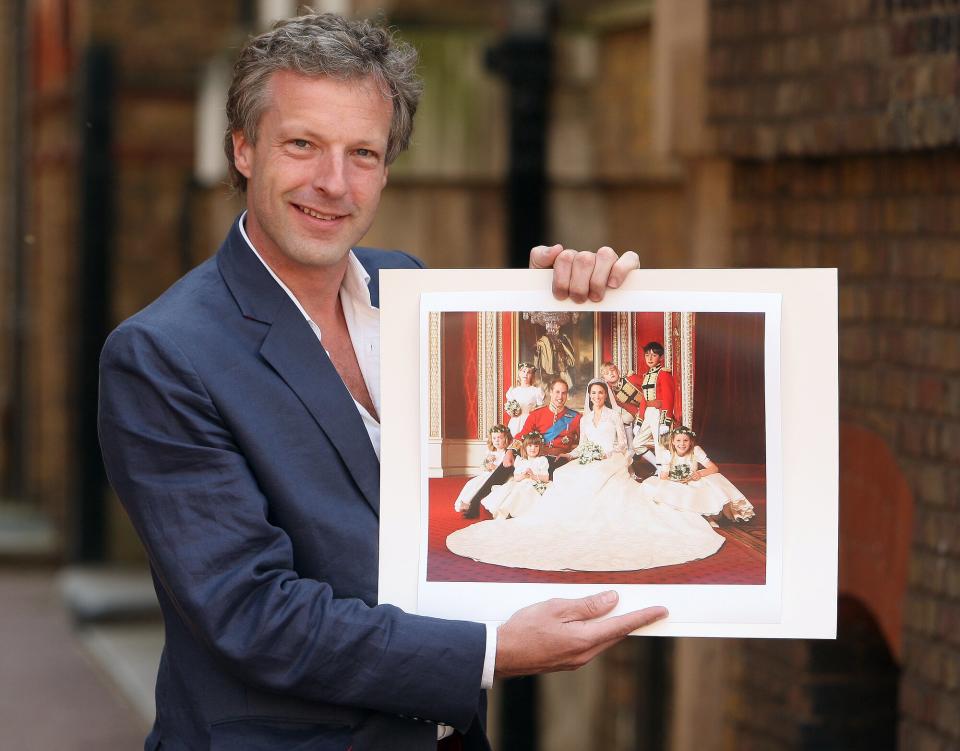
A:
[355,283]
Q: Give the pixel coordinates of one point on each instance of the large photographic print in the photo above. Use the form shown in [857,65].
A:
[654,443]
[636,511]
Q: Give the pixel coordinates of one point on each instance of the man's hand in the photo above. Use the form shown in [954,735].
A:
[563,634]
[582,275]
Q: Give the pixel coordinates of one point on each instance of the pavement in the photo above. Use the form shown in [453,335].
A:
[67,688]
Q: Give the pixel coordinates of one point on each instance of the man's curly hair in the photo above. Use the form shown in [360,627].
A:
[322,44]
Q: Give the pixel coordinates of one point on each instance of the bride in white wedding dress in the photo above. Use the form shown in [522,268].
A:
[593,516]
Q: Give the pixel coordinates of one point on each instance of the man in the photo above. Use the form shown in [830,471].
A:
[239,425]
[558,424]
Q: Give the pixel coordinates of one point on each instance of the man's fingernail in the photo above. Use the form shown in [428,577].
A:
[608,597]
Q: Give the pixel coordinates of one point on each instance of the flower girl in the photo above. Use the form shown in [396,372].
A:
[531,475]
[497,441]
[691,482]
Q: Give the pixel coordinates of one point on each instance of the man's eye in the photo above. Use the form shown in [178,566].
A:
[301,143]
[364,152]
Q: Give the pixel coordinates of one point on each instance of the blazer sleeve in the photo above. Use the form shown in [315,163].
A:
[230,573]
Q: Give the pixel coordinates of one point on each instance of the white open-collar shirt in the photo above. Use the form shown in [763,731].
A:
[363,325]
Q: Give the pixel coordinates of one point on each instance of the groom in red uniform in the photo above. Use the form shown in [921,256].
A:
[558,424]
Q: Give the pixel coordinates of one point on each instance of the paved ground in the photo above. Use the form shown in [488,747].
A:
[53,697]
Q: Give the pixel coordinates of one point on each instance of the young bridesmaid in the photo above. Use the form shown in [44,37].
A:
[498,439]
[523,397]
[531,473]
[691,482]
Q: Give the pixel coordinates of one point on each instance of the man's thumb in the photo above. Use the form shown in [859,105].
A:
[596,605]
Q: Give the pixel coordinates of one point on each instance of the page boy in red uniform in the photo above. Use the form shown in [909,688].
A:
[650,398]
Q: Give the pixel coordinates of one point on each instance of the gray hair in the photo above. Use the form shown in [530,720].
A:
[322,45]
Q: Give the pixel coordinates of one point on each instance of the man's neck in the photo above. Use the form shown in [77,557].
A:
[316,287]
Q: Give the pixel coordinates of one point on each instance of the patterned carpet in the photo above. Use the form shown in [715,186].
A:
[741,560]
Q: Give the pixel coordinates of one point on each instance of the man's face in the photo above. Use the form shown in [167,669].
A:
[652,359]
[558,394]
[315,174]
[611,374]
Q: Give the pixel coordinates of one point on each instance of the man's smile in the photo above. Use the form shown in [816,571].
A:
[327,217]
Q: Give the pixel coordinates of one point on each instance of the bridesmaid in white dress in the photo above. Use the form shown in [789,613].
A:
[523,397]
[691,482]
[531,473]
[497,441]
[593,516]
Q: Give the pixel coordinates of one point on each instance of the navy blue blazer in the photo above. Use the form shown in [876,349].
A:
[244,465]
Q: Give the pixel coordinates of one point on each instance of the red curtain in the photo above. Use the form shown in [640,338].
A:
[649,329]
[459,369]
[729,410]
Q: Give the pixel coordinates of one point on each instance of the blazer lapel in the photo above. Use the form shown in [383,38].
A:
[294,352]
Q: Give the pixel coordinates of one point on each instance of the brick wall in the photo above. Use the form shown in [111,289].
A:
[890,223]
[842,121]
[816,77]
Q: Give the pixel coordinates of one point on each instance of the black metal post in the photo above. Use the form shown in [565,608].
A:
[523,58]
[15,433]
[654,688]
[95,238]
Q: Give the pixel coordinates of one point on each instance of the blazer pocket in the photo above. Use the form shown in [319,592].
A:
[255,734]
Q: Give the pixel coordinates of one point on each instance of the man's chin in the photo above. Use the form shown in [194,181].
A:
[318,255]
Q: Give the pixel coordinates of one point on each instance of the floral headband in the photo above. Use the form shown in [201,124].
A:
[534,436]
[528,365]
[499,428]
[684,430]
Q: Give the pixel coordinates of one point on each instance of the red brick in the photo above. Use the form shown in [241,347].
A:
[947,621]
[858,10]
[790,15]
[951,586]
[916,737]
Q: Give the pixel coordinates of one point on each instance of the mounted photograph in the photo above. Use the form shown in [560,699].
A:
[561,450]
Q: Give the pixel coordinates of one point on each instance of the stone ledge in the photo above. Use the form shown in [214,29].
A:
[102,593]
[26,533]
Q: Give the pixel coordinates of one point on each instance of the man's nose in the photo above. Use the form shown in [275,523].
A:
[329,174]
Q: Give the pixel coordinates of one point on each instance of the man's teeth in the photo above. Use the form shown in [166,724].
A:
[315,215]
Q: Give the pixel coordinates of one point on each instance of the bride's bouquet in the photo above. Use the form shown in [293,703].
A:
[591,452]
[680,472]
[512,407]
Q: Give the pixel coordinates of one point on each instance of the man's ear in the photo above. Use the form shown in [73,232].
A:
[242,154]
[386,172]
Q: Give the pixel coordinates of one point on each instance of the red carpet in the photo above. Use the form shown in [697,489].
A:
[741,560]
